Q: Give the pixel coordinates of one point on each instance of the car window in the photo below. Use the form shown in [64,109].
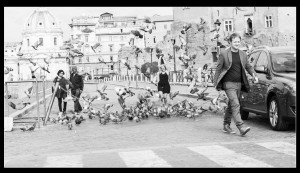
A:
[262,60]
[284,62]
[252,57]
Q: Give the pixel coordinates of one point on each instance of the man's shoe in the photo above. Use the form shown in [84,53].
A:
[243,130]
[227,129]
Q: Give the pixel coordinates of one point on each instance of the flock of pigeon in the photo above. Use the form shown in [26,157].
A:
[144,108]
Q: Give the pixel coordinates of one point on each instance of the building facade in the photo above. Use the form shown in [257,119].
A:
[112,33]
[272,26]
[42,29]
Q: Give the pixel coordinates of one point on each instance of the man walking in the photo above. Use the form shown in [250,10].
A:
[231,76]
[77,89]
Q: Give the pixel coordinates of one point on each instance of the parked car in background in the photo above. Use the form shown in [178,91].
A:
[274,95]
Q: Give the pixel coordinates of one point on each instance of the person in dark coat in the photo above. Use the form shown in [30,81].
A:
[231,76]
[163,86]
[77,89]
[61,93]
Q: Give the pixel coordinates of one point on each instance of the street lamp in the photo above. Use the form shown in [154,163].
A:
[151,50]
[173,40]
[217,28]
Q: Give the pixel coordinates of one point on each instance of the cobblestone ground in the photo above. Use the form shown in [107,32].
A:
[91,137]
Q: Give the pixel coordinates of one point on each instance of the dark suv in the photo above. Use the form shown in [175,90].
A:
[274,95]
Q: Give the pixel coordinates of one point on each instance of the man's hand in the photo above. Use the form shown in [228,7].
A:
[255,78]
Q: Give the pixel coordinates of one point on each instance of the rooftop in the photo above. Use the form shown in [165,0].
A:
[158,18]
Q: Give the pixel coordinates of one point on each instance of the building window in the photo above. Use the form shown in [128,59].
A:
[111,48]
[5,50]
[249,26]
[165,26]
[12,50]
[269,21]
[112,67]
[111,58]
[41,41]
[218,12]
[40,23]
[154,40]
[53,23]
[121,30]
[55,41]
[28,44]
[86,38]
[228,25]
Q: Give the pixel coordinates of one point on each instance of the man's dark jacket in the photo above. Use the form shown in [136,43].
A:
[77,81]
[224,64]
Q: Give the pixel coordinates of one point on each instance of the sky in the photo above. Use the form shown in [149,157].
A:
[16,17]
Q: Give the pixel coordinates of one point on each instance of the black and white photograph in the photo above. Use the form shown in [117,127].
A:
[150,87]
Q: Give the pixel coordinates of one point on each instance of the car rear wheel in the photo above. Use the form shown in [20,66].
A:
[275,116]
[244,114]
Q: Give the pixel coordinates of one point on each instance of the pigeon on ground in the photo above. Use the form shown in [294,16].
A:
[31,128]
[202,94]
[107,106]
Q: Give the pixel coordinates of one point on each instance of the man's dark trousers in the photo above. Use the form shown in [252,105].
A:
[77,106]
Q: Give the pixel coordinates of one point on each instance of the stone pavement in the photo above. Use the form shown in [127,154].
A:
[226,154]
[90,141]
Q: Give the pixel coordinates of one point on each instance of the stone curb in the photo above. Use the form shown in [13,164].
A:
[24,111]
